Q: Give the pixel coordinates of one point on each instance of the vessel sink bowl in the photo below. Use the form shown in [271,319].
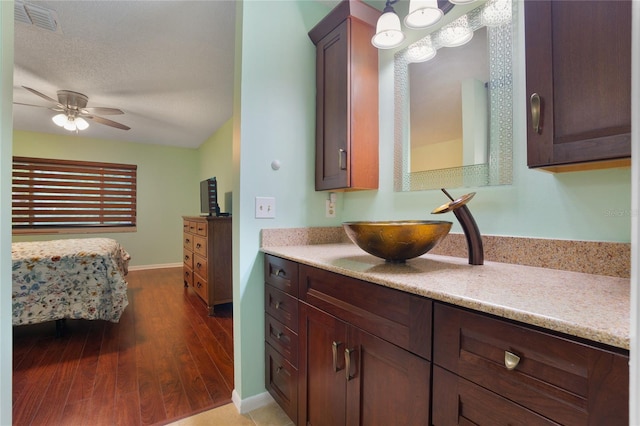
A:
[397,241]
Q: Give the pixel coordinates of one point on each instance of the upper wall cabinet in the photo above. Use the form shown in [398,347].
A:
[578,57]
[346,98]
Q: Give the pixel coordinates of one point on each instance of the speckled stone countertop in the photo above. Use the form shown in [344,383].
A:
[593,307]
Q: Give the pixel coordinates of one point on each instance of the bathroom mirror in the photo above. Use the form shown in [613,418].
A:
[456,132]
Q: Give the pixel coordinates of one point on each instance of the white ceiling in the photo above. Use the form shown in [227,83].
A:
[167,64]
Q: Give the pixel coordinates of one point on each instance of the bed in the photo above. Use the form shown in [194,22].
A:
[68,279]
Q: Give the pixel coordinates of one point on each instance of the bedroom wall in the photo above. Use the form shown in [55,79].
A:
[167,189]
[215,156]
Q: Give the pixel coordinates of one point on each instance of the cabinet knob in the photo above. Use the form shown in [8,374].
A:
[278,335]
[198,245]
[277,305]
[511,360]
[536,112]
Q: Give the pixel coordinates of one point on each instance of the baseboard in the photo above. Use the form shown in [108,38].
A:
[252,403]
[160,266]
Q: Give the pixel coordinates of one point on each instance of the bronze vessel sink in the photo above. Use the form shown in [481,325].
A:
[397,241]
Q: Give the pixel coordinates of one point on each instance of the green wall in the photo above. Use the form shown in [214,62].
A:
[215,157]
[167,189]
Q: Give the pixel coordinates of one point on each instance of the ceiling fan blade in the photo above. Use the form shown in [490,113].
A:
[57,109]
[107,122]
[101,110]
[42,95]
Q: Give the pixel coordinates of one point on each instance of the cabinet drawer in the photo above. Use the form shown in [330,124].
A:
[200,245]
[200,286]
[188,258]
[457,401]
[185,226]
[187,241]
[563,380]
[281,380]
[200,265]
[188,276]
[192,227]
[398,317]
[282,274]
[282,339]
[281,306]
[200,228]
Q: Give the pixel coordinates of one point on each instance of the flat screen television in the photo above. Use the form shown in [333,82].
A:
[209,197]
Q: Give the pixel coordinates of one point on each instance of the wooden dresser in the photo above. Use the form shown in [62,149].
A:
[206,244]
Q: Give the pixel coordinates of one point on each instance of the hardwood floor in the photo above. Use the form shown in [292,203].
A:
[165,359]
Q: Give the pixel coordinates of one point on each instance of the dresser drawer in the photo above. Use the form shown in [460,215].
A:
[200,265]
[281,306]
[395,316]
[200,228]
[188,276]
[187,241]
[458,402]
[563,380]
[282,339]
[200,245]
[282,274]
[192,227]
[200,286]
[187,258]
[185,226]
[281,380]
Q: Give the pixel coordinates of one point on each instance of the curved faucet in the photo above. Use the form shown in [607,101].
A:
[469,226]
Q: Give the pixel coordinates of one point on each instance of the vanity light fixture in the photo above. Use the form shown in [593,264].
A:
[422,14]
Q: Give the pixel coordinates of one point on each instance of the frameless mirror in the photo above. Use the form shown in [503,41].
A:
[454,110]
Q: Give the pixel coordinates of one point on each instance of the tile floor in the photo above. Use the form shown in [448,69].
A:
[227,415]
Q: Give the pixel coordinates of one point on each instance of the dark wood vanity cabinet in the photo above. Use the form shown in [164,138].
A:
[578,65]
[346,98]
[363,359]
[342,351]
[490,371]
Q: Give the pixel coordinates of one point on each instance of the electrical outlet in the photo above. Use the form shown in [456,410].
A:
[265,207]
[330,209]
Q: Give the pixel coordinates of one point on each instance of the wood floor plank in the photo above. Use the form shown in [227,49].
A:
[164,360]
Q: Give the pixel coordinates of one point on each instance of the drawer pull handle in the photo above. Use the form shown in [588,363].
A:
[536,112]
[199,265]
[279,273]
[277,305]
[342,155]
[347,362]
[187,240]
[334,349]
[198,245]
[511,360]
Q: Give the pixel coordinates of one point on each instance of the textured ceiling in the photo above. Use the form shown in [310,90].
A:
[167,64]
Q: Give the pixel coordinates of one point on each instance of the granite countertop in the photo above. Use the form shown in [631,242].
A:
[593,307]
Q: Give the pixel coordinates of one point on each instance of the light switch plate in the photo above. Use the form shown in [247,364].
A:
[265,207]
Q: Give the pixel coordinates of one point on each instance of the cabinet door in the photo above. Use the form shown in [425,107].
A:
[332,110]
[322,383]
[578,59]
[386,385]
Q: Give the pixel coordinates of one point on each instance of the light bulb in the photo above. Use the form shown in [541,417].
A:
[59,119]
[70,125]
[81,123]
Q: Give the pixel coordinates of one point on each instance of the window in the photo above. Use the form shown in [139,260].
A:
[72,196]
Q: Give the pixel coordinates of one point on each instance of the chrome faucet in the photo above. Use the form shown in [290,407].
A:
[469,226]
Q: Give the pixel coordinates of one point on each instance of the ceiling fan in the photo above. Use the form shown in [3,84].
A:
[73,110]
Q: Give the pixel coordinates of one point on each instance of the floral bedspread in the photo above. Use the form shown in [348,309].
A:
[74,278]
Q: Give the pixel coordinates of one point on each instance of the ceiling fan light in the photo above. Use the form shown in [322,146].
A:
[388,31]
[423,13]
[71,125]
[81,123]
[59,119]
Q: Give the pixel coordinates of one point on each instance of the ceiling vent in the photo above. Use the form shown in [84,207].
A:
[37,16]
